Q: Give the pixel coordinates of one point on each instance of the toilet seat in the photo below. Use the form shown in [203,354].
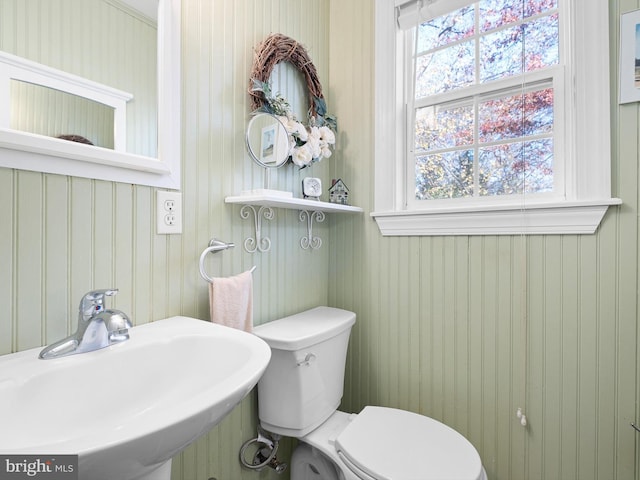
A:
[389,444]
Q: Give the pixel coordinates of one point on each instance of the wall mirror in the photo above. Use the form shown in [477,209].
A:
[267,140]
[91,44]
[268,146]
[47,111]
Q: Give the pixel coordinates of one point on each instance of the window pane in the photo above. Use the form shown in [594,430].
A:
[445,70]
[534,7]
[541,43]
[501,54]
[516,168]
[498,13]
[516,116]
[446,175]
[441,31]
[441,127]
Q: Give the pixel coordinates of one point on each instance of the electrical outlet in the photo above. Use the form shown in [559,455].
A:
[169,212]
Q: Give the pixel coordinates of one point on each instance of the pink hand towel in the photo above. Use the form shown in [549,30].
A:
[231,301]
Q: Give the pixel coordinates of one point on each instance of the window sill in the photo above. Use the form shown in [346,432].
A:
[542,219]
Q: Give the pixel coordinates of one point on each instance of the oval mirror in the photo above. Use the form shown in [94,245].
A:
[267,140]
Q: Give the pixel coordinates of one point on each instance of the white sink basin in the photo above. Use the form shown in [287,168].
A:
[128,408]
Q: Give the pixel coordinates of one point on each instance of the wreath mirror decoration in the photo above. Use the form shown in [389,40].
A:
[307,143]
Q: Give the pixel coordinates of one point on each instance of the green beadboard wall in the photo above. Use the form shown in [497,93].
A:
[464,329]
[62,236]
[468,329]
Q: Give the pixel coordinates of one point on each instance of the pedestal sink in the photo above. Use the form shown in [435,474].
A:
[127,409]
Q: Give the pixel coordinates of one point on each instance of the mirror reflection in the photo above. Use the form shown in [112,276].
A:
[267,141]
[47,111]
[105,41]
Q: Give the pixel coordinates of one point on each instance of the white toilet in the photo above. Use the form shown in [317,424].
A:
[299,394]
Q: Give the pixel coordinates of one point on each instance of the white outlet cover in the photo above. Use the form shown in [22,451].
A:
[168,212]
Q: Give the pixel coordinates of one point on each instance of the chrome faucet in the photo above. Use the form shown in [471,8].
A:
[97,327]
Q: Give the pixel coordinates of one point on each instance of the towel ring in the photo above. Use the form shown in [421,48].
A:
[214,246]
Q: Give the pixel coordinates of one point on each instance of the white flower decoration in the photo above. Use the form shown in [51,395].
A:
[302,155]
[327,135]
[307,143]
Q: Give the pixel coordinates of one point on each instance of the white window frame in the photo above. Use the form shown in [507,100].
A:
[587,189]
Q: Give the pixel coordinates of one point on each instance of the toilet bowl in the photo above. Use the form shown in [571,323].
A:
[299,394]
[384,443]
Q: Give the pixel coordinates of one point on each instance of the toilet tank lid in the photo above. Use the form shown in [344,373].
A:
[306,328]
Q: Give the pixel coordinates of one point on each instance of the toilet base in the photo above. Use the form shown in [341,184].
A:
[319,444]
[307,463]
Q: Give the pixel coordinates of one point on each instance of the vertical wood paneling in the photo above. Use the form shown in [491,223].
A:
[569,361]
[588,360]
[29,204]
[607,334]
[487,338]
[548,324]
[56,257]
[535,364]
[463,329]
[476,295]
[552,338]
[626,178]
[62,236]
[411,313]
[142,266]
[217,60]
[102,225]
[81,217]
[506,357]
[8,216]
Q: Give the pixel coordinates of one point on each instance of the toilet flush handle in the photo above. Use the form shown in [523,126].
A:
[307,360]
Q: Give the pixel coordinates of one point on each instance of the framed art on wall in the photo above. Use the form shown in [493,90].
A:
[630,57]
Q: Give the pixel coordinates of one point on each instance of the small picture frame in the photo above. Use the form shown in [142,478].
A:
[267,144]
[630,57]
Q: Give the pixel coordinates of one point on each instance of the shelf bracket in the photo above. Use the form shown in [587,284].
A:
[258,242]
[310,241]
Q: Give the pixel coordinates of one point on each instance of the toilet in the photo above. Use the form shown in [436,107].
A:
[299,395]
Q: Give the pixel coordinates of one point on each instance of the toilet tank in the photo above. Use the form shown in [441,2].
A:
[304,381]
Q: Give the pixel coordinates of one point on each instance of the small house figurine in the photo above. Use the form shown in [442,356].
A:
[338,193]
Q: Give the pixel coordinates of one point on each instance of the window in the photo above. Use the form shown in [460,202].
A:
[490,104]
[481,125]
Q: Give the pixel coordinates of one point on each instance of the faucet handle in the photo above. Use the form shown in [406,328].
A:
[93,301]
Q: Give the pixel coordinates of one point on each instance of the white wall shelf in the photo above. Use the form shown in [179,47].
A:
[310,210]
[292,203]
